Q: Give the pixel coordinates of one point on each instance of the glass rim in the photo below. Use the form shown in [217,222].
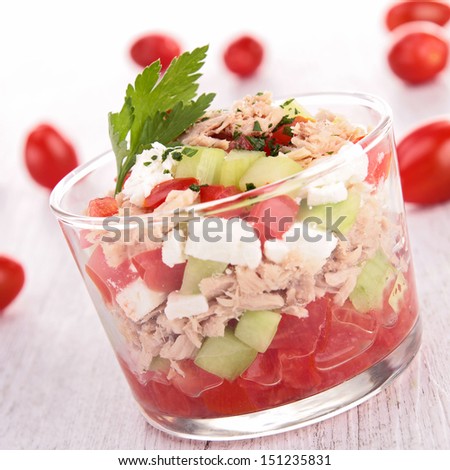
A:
[374,136]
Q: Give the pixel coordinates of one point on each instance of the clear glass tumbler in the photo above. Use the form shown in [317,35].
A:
[329,324]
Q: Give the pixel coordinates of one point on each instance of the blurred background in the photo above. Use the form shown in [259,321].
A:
[68,64]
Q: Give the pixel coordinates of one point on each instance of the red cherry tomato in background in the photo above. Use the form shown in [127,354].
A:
[151,47]
[49,156]
[424,161]
[419,54]
[160,191]
[243,56]
[405,12]
[12,279]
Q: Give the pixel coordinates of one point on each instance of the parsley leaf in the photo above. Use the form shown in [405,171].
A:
[157,109]
[257,127]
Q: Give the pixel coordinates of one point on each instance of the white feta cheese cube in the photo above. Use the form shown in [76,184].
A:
[312,247]
[137,300]
[182,305]
[173,248]
[328,194]
[231,241]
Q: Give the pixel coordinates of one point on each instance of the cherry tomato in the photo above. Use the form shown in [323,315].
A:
[302,334]
[418,55]
[151,47]
[243,56]
[405,12]
[49,156]
[109,280]
[103,207]
[159,193]
[213,192]
[12,279]
[156,274]
[273,217]
[424,161]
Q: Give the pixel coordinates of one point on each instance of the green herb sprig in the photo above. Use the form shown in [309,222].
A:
[157,109]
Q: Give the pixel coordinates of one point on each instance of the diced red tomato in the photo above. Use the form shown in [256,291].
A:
[103,207]
[380,157]
[302,334]
[12,279]
[265,369]
[298,371]
[109,281]
[195,380]
[171,401]
[283,134]
[160,191]
[345,341]
[156,274]
[272,218]
[216,192]
[228,399]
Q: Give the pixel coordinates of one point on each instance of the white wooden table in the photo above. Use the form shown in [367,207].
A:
[60,387]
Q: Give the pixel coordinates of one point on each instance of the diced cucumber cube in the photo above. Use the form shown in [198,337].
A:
[159,364]
[236,163]
[371,283]
[348,209]
[257,328]
[198,269]
[268,170]
[294,109]
[398,292]
[225,356]
[205,165]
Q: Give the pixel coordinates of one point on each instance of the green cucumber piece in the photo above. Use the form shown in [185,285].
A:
[398,292]
[236,163]
[198,269]
[294,109]
[205,165]
[159,364]
[268,170]
[348,209]
[371,283]
[257,328]
[225,356]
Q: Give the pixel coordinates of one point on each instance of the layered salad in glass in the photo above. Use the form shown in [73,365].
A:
[262,262]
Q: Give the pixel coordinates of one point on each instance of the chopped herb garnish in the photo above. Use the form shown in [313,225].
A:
[270,125]
[144,116]
[189,151]
[284,120]
[147,163]
[287,103]
[236,135]
[274,149]
[260,93]
[154,157]
[296,111]
[197,187]
[257,127]
[238,110]
[166,172]
[203,119]
[250,186]
[287,130]
[177,156]
[330,153]
[258,143]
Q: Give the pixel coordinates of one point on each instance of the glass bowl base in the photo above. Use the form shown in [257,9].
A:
[319,407]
